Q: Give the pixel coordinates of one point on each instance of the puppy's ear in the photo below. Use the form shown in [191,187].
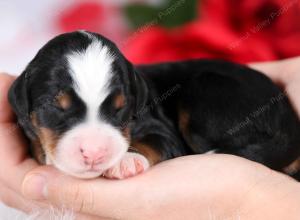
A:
[141,91]
[138,87]
[19,100]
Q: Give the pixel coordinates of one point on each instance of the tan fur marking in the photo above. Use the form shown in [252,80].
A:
[119,101]
[184,122]
[293,167]
[48,140]
[126,133]
[64,100]
[33,119]
[38,152]
[184,119]
[37,149]
[147,151]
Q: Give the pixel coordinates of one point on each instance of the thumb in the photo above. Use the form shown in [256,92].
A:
[6,113]
[100,197]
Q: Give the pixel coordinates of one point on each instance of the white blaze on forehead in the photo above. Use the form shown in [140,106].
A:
[91,70]
[89,35]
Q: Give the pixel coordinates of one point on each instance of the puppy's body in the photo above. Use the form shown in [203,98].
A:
[227,108]
[89,112]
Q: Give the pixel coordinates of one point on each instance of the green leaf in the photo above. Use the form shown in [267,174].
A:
[175,13]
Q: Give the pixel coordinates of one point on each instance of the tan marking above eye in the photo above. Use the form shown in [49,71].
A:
[119,101]
[64,100]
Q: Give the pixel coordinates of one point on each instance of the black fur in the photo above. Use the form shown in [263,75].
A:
[232,109]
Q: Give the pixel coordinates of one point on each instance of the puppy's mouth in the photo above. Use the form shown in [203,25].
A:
[83,173]
[81,170]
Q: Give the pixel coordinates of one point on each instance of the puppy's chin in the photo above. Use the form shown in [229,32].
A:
[87,175]
[81,175]
[84,173]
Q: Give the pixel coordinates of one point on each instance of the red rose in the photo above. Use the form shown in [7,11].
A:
[241,31]
[88,16]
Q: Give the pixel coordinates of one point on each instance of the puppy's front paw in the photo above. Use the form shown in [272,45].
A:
[130,165]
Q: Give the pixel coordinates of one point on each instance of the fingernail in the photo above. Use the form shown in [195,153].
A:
[34,187]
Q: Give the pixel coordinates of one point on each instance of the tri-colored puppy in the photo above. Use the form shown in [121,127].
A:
[90,112]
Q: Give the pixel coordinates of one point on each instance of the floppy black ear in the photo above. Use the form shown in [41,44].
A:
[142,91]
[19,100]
[138,87]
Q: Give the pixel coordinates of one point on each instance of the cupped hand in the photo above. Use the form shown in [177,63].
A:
[194,187]
[15,162]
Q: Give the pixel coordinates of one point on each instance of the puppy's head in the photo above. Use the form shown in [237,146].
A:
[75,101]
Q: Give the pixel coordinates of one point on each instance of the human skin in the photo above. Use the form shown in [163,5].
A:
[285,73]
[193,187]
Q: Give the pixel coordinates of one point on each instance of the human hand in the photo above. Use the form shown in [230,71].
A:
[15,162]
[206,189]
[193,187]
[285,73]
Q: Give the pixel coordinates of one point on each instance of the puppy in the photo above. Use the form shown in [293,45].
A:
[89,112]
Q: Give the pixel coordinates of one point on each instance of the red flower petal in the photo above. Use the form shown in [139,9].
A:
[86,16]
[241,31]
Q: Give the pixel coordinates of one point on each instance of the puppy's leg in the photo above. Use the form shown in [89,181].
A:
[143,154]
[130,165]
[139,158]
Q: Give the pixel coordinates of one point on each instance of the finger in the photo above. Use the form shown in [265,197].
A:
[6,114]
[16,201]
[140,195]
[293,90]
[98,197]
[13,176]
[51,212]
[13,145]
[13,148]
[280,71]
[14,157]
[11,138]
[80,216]
[271,69]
